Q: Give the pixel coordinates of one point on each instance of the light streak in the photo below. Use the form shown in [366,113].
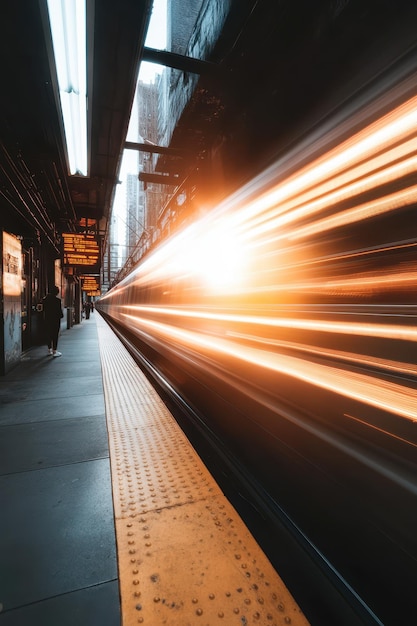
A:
[393,128]
[361,212]
[309,204]
[317,201]
[392,367]
[332,227]
[387,331]
[381,394]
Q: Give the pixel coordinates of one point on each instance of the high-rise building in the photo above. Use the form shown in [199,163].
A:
[148,115]
[135,216]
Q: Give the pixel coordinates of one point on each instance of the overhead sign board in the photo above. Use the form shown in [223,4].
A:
[81,250]
[91,285]
[12,266]
[87,226]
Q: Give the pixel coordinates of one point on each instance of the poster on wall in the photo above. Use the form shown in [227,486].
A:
[12,304]
[12,265]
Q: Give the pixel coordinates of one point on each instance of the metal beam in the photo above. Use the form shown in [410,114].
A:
[179,61]
[161,179]
[146,147]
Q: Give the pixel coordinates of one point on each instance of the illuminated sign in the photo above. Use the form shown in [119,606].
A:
[91,285]
[12,265]
[87,226]
[81,250]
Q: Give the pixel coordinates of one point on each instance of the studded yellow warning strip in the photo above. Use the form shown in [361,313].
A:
[185,557]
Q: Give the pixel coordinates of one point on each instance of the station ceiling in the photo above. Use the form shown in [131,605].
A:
[36,186]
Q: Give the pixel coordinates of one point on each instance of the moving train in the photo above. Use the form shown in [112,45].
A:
[287,317]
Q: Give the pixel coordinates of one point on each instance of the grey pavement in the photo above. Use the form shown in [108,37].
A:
[58,563]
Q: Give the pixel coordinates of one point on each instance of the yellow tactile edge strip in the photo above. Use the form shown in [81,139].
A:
[184,555]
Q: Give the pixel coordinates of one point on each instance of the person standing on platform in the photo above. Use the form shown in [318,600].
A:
[52,315]
[87,310]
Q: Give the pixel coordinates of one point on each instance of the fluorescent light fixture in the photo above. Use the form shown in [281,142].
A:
[68,26]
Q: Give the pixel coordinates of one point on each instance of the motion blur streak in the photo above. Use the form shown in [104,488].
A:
[303,258]
[382,394]
[347,357]
[286,318]
[361,212]
[349,328]
[361,184]
[350,190]
[356,152]
[381,430]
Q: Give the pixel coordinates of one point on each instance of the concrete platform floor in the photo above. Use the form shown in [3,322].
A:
[58,561]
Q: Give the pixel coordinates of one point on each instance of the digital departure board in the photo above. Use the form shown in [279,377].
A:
[81,250]
[91,285]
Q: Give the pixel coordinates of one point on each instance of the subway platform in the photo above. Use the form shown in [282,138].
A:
[91,459]
[58,562]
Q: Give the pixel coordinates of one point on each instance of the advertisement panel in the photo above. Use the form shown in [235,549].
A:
[12,301]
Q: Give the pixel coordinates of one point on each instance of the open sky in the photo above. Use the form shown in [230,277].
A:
[155,38]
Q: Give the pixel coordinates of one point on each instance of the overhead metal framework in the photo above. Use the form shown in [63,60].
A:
[179,61]
[148,147]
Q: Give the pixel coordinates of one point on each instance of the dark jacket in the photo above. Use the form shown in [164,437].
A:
[52,311]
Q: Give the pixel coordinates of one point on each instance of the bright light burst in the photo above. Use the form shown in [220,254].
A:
[215,258]
[284,234]
[315,262]
[210,255]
